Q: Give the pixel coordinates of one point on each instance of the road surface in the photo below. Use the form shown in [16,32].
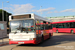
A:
[59,41]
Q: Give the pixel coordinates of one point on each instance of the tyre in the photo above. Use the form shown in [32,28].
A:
[56,31]
[72,32]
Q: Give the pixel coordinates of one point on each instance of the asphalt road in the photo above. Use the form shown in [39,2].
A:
[59,41]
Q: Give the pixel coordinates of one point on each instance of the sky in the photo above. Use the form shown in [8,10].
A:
[44,8]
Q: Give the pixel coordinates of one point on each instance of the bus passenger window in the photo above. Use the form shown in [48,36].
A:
[72,25]
[53,25]
[57,26]
[46,27]
[42,28]
[50,26]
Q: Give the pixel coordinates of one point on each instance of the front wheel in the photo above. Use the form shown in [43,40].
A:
[56,31]
[72,32]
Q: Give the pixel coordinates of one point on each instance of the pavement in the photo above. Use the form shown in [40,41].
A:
[4,41]
[59,41]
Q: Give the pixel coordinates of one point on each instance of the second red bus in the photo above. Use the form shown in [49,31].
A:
[64,26]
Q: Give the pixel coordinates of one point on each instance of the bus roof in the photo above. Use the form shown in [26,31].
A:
[63,22]
[33,16]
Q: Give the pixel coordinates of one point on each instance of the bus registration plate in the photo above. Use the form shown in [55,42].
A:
[20,42]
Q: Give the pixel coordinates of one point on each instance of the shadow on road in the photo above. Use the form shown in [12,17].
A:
[55,40]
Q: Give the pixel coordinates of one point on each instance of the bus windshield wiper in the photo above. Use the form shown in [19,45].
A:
[15,32]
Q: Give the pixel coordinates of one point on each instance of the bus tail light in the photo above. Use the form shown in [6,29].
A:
[34,38]
[9,39]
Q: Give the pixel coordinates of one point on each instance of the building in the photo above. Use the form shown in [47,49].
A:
[61,18]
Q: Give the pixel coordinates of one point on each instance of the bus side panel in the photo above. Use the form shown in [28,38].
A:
[46,34]
[38,38]
[51,31]
[54,29]
[66,30]
[63,30]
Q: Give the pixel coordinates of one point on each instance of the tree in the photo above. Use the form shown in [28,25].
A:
[6,16]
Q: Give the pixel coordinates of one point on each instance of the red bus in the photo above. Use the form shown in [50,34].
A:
[64,26]
[29,29]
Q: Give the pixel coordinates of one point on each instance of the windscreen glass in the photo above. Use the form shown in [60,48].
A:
[22,26]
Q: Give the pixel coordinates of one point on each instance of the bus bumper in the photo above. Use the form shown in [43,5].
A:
[23,42]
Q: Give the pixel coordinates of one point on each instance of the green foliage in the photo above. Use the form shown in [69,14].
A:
[6,16]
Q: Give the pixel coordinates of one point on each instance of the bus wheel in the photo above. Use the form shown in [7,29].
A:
[56,31]
[72,32]
[49,36]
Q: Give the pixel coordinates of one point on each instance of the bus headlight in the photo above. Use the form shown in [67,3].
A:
[31,38]
[10,39]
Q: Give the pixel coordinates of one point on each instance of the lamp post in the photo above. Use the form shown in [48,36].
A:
[3,11]
[6,12]
[40,11]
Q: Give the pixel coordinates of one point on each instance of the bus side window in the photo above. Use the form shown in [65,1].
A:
[39,26]
[36,23]
[68,25]
[64,25]
[53,25]
[72,25]
[46,27]
[57,26]
[42,27]
[50,26]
